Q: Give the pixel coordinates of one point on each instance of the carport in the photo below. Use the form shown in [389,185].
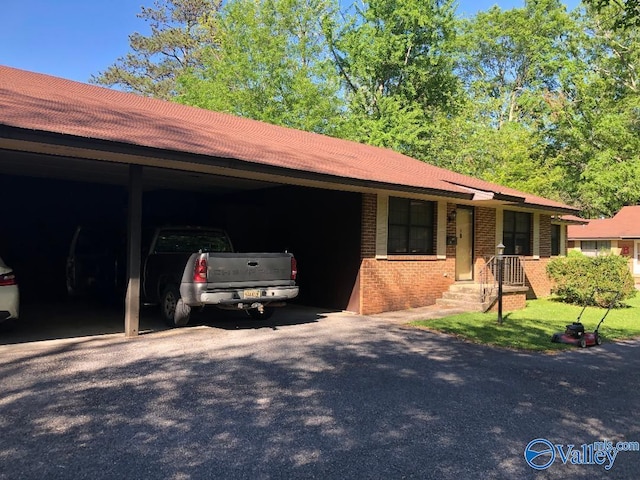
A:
[72,152]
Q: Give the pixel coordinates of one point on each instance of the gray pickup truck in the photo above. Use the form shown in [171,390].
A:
[191,267]
[183,267]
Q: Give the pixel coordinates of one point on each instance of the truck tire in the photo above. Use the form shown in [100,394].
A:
[265,315]
[174,311]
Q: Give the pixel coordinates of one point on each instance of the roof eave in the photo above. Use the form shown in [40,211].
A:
[87,144]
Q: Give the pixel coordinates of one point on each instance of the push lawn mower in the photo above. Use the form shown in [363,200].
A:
[575,334]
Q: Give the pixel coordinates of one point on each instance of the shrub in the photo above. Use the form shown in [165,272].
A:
[591,280]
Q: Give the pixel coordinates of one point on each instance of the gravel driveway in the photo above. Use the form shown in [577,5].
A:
[326,396]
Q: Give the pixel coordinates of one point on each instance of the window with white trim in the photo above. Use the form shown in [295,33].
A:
[516,231]
[411,227]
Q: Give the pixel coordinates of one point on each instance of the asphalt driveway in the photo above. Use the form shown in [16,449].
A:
[309,395]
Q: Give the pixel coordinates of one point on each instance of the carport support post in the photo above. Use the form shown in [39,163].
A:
[132,301]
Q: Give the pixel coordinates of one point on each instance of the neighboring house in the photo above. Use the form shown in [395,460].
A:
[619,235]
[373,230]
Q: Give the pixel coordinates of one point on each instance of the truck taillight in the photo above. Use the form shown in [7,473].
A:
[7,279]
[294,268]
[200,271]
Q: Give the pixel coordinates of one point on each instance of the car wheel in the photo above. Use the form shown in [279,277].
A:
[174,311]
[264,315]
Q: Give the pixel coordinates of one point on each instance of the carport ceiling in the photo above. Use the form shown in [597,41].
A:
[111,173]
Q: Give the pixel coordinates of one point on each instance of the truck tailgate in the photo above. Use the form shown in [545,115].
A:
[228,270]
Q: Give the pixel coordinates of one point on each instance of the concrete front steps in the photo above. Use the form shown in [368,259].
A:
[466,296]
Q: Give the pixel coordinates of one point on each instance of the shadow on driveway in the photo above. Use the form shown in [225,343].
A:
[72,319]
[335,396]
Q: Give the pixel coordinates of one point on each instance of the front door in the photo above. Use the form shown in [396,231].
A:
[464,243]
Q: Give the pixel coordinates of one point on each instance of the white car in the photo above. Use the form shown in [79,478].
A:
[9,294]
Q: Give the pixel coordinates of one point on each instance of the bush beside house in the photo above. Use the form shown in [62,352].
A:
[591,280]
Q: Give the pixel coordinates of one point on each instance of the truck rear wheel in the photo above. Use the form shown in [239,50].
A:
[174,311]
[264,315]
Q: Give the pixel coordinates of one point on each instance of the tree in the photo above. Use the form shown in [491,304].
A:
[598,123]
[179,30]
[511,64]
[270,64]
[395,61]
[512,59]
[626,13]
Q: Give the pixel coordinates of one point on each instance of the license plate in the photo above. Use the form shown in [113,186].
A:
[251,293]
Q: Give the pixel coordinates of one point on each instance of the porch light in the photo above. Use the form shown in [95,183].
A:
[452,216]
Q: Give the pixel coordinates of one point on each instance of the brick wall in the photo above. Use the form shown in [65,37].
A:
[545,236]
[388,285]
[536,277]
[369,211]
[511,301]
[536,268]
[485,237]
[451,230]
[399,282]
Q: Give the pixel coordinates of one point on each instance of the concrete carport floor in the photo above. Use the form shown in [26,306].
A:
[73,319]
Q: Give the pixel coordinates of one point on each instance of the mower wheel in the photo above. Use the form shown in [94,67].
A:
[583,342]
[598,339]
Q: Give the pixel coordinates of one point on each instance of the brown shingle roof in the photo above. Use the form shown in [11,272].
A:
[40,102]
[624,224]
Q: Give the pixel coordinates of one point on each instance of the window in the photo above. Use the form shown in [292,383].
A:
[410,227]
[593,247]
[555,239]
[517,233]
[192,241]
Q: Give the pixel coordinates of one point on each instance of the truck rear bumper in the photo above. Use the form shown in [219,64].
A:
[265,296]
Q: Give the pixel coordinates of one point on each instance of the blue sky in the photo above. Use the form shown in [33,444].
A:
[77,38]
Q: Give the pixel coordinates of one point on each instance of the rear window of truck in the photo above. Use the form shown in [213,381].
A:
[178,241]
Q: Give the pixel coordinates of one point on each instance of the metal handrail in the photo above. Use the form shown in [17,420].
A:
[513,274]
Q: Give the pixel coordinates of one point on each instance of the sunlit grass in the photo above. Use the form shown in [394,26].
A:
[532,327]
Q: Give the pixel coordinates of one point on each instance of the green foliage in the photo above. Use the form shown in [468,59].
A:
[626,13]
[596,135]
[536,98]
[591,280]
[511,63]
[510,59]
[396,64]
[269,64]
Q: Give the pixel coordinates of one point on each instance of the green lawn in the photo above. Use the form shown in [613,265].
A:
[532,327]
